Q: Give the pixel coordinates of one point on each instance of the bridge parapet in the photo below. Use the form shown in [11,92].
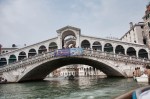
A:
[90,53]
[116,57]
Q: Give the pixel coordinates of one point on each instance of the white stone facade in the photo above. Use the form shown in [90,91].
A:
[135,33]
[140,32]
[76,70]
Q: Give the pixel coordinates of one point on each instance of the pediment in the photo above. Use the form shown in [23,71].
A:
[68,28]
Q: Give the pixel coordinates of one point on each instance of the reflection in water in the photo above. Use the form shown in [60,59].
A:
[80,88]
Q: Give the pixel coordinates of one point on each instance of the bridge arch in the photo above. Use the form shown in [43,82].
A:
[52,46]
[40,71]
[42,49]
[85,44]
[119,49]
[67,33]
[143,53]
[97,46]
[131,51]
[12,58]
[32,52]
[22,55]
[108,47]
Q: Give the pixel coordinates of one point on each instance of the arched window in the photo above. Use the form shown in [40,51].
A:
[108,47]
[3,61]
[131,51]
[32,52]
[52,46]
[119,50]
[143,53]
[12,59]
[68,39]
[97,46]
[85,44]
[42,49]
[22,55]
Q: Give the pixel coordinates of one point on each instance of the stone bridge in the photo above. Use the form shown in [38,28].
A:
[39,66]
[34,62]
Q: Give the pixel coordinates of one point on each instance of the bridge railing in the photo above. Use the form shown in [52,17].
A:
[115,56]
[26,61]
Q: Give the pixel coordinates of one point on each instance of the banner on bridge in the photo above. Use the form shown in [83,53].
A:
[76,51]
[62,52]
[69,52]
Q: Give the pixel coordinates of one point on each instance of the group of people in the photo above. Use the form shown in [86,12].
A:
[138,72]
[2,80]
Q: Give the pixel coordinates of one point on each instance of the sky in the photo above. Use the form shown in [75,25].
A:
[32,21]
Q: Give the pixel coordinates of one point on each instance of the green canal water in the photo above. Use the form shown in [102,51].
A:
[80,88]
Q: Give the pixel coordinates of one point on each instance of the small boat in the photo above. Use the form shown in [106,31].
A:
[142,78]
[71,77]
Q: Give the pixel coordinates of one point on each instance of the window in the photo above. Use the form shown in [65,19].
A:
[142,27]
[144,41]
[148,24]
[134,41]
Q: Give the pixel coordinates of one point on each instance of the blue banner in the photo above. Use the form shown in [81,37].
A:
[69,52]
[76,51]
[62,52]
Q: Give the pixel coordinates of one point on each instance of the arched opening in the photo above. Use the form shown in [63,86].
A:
[22,55]
[119,49]
[3,61]
[42,49]
[52,46]
[143,53]
[12,59]
[68,39]
[97,46]
[85,44]
[131,51]
[32,52]
[108,47]
[54,64]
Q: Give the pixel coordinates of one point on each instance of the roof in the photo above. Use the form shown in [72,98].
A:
[67,27]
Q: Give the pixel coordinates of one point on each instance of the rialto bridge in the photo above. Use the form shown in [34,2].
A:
[35,62]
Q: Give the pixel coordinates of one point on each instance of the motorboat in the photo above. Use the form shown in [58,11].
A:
[71,77]
[142,78]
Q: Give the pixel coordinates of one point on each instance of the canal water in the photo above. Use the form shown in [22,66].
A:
[61,88]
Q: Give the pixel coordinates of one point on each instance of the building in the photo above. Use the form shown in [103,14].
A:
[76,70]
[140,32]
[146,19]
[135,34]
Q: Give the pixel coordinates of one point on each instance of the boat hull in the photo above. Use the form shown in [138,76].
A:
[142,79]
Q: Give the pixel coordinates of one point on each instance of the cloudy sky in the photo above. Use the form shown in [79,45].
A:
[31,21]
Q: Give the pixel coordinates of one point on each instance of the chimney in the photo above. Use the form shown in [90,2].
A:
[131,25]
